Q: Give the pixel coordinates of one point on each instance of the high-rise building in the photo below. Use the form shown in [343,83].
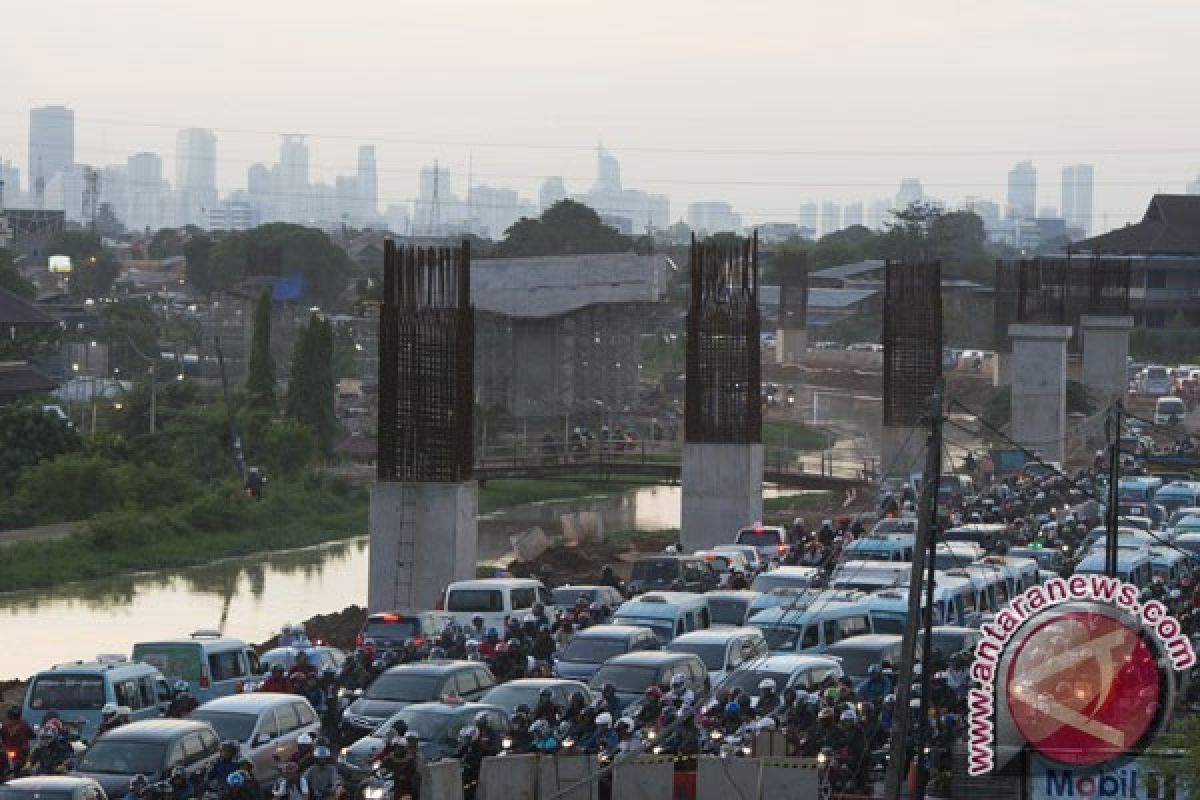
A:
[642,211]
[608,172]
[808,218]
[368,183]
[10,176]
[1193,187]
[291,180]
[51,146]
[852,214]
[1077,187]
[553,191]
[195,175]
[910,192]
[1022,190]
[831,218]
[714,217]
[878,215]
[145,192]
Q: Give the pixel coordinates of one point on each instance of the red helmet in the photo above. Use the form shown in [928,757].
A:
[654,692]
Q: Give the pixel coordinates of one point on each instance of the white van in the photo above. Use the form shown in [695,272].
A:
[868,576]
[1169,411]
[668,614]
[722,651]
[494,599]
[812,629]
[991,588]
[1154,381]
[1133,566]
[1170,564]
[884,547]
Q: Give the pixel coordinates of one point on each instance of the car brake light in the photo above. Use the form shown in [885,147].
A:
[358,640]
[204,683]
[391,617]
[783,548]
[419,641]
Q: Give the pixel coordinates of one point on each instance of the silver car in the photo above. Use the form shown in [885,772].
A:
[265,724]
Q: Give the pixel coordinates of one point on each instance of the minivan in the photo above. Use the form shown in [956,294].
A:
[813,629]
[420,682]
[770,540]
[671,573]
[151,748]
[1169,411]
[723,650]
[591,647]
[212,665]
[1180,494]
[387,631]
[633,673]
[858,653]
[494,599]
[1133,566]
[265,724]
[79,690]
[667,614]
[1154,381]
[884,547]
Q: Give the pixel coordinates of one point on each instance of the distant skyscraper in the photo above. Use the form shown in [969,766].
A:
[291,180]
[1077,183]
[195,175]
[1022,190]
[808,218]
[368,182]
[715,217]
[10,174]
[910,192]
[553,191]
[878,216]
[1193,187]
[608,172]
[51,146]
[641,211]
[831,218]
[144,191]
[852,214]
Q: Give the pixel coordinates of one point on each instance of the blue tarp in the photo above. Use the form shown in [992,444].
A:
[290,287]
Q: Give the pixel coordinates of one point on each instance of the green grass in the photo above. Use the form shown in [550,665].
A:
[794,436]
[644,540]
[796,502]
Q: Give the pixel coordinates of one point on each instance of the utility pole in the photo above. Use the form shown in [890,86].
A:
[239,458]
[1114,477]
[923,550]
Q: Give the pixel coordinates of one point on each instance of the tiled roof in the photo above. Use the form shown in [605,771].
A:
[1170,226]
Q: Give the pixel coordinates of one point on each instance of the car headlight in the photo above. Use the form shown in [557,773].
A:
[373,793]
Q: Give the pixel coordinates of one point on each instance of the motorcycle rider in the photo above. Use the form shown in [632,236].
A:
[680,695]
[224,766]
[608,577]
[277,682]
[322,777]
[603,739]
[137,785]
[405,765]
[855,745]
[546,708]
[182,702]
[737,579]
[543,646]
[470,755]
[489,738]
[181,787]
[292,785]
[305,754]
[17,737]
[875,687]
[768,701]
[609,701]
[110,717]
[238,787]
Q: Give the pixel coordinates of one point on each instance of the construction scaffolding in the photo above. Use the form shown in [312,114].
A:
[1005,303]
[723,394]
[793,292]
[1043,288]
[426,353]
[912,340]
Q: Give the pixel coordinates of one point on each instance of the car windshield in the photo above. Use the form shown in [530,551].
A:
[627,679]
[855,661]
[476,600]
[768,581]
[887,622]
[727,610]
[711,653]
[568,596]
[285,657]
[123,758]
[67,692]
[748,679]
[228,725]
[512,696]
[758,538]
[394,631]
[950,559]
[175,661]
[782,637]
[655,570]
[949,643]
[9,793]
[428,725]
[405,688]
[593,649]
[664,630]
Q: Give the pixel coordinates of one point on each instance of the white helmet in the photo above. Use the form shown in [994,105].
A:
[604,719]
[849,715]
[766,683]
[304,739]
[109,710]
[766,724]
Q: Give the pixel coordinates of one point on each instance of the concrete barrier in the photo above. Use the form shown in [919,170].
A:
[727,778]
[508,778]
[644,778]
[558,774]
[770,743]
[787,777]
[442,781]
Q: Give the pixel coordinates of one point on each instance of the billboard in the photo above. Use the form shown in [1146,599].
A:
[1133,780]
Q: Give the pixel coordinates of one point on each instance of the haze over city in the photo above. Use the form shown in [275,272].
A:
[766,107]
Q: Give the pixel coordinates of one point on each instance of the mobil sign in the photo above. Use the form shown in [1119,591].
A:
[1133,780]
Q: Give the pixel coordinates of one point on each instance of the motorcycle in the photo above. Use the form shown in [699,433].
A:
[380,786]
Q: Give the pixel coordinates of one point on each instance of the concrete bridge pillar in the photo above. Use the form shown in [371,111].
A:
[1106,355]
[790,345]
[1001,369]
[1039,388]
[722,492]
[901,451]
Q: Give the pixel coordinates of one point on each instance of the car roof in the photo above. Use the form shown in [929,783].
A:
[494,583]
[648,657]
[540,683]
[452,708]
[611,631]
[318,648]
[438,667]
[716,635]
[739,594]
[101,666]
[866,640]
[581,587]
[50,782]
[790,662]
[958,629]
[794,571]
[226,641]
[155,730]
[250,703]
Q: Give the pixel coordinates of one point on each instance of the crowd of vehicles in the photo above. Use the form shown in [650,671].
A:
[781,629]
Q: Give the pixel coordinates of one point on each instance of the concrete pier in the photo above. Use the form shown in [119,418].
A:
[423,536]
[790,345]
[1001,369]
[1106,355]
[722,492]
[1039,388]
[901,451]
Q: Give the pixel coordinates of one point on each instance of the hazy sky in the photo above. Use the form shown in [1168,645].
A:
[766,104]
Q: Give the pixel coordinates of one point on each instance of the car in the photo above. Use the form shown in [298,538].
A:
[52,787]
[771,541]
[265,724]
[565,598]
[754,559]
[321,656]
[591,647]
[493,599]
[857,653]
[152,748]
[528,691]
[722,650]
[213,665]
[632,674]
[800,672]
[672,573]
[79,690]
[436,724]
[406,684]
[387,631]
[724,563]
[787,578]
[729,608]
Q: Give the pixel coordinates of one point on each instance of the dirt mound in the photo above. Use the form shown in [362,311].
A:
[337,629]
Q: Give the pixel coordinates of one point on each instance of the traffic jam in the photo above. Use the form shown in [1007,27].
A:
[783,632]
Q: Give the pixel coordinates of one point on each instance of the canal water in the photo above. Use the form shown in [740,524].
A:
[251,597]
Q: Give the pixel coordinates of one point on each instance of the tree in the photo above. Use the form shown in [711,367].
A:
[12,279]
[260,377]
[566,227]
[311,384]
[126,325]
[29,435]
[325,268]
[94,267]
[197,250]
[107,223]
[165,243]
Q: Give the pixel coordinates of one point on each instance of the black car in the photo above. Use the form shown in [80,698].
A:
[632,674]
[152,748]
[52,787]
[423,682]
[387,631]
[673,573]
